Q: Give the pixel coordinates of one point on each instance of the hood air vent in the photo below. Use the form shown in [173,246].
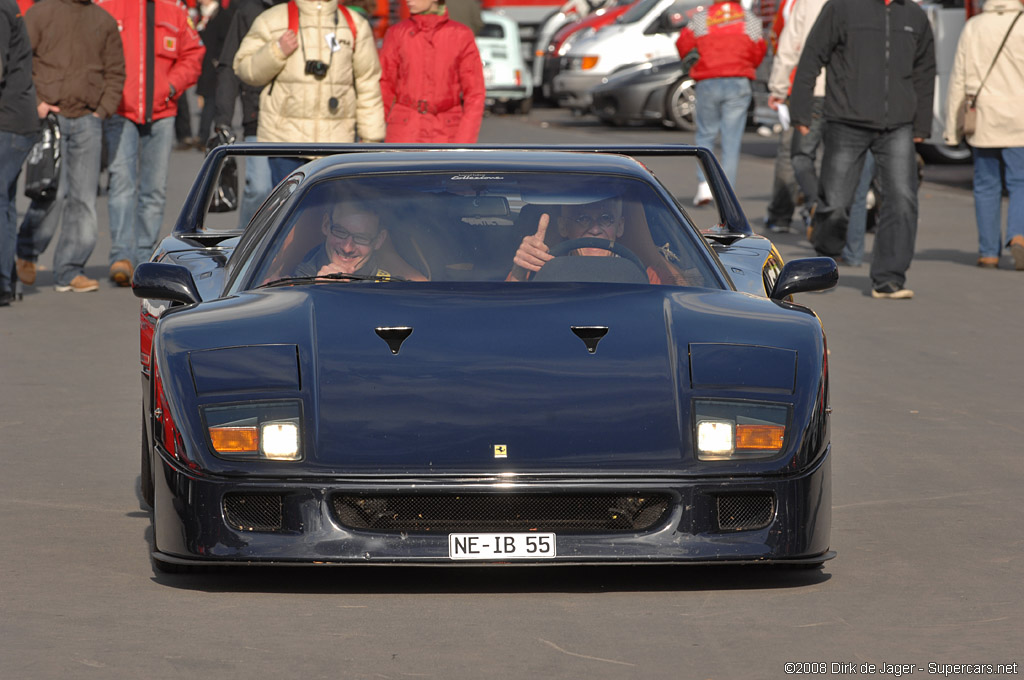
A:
[590,335]
[394,336]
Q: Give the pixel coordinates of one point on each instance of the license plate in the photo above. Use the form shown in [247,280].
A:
[523,546]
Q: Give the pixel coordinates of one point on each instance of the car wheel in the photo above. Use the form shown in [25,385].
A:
[146,471]
[681,105]
[525,105]
[940,153]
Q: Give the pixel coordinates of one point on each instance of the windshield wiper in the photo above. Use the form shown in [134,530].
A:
[288,280]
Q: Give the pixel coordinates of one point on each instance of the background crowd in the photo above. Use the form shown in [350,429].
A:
[112,73]
[852,80]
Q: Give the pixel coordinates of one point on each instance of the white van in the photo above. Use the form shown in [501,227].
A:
[647,31]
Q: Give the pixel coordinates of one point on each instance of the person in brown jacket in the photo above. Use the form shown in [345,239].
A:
[78,71]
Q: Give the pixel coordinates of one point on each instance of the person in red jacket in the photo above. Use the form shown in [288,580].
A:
[432,78]
[730,46]
[140,135]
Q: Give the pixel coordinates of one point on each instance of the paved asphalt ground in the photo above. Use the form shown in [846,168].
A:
[928,471]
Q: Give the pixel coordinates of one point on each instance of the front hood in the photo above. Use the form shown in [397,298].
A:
[492,379]
[489,373]
[604,40]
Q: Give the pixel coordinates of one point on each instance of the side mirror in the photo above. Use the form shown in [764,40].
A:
[670,21]
[673,20]
[804,276]
[160,281]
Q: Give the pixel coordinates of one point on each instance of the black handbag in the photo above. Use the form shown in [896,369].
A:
[225,191]
[42,169]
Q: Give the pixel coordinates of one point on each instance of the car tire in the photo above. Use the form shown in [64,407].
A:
[942,154]
[681,105]
[146,485]
[525,105]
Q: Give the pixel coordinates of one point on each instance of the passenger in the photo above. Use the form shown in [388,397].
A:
[599,219]
[352,237]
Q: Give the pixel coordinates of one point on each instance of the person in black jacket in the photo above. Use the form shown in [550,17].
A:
[879,57]
[213,27]
[230,88]
[19,127]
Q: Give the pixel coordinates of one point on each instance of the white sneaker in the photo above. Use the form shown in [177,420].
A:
[703,196]
[892,291]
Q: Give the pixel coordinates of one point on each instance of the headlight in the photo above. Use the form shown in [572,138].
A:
[280,440]
[260,430]
[739,430]
[571,40]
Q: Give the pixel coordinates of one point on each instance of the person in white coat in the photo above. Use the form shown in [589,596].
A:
[998,139]
[320,76]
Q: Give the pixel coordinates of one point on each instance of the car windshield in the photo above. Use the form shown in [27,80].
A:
[637,12]
[470,226]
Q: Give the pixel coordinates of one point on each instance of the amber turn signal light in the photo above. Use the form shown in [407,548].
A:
[759,437]
[234,439]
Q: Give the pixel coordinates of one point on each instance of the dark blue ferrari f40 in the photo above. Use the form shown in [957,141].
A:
[481,355]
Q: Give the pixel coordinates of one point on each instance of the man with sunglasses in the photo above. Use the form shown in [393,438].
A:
[352,237]
[599,219]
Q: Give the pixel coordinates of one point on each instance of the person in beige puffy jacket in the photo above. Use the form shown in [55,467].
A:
[317,85]
[998,139]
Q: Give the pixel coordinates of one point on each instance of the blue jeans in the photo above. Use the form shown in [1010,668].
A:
[257,185]
[784,186]
[845,149]
[988,197]
[138,156]
[282,166]
[74,207]
[14,150]
[804,152]
[722,105]
[853,251]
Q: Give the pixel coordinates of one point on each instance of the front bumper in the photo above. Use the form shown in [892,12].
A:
[190,525]
[571,89]
[501,92]
[640,103]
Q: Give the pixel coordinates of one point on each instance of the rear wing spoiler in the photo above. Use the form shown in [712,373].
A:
[732,220]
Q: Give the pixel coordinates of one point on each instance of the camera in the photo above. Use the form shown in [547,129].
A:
[315,68]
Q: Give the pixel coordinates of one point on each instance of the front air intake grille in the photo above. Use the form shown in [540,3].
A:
[572,513]
[745,512]
[253,511]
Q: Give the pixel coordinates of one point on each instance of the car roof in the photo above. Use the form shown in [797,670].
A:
[469,161]
[340,160]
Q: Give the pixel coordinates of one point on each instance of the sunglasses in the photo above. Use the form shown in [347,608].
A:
[603,220]
[339,233]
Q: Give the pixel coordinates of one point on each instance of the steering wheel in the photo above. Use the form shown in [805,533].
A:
[565,247]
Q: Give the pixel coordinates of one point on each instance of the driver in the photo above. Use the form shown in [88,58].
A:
[599,219]
[352,237]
